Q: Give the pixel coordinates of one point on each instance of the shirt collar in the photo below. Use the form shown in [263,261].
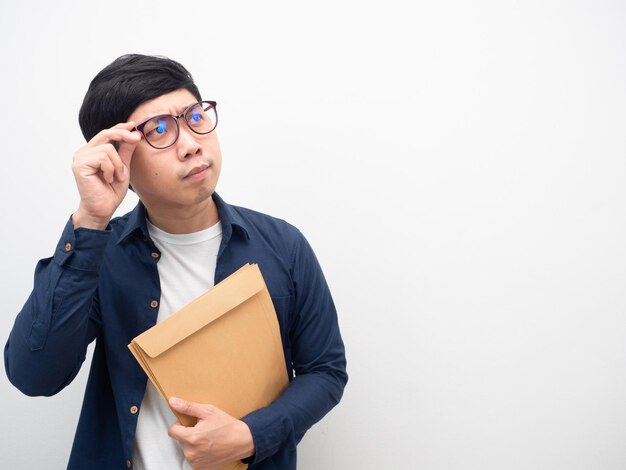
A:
[232,222]
[231,219]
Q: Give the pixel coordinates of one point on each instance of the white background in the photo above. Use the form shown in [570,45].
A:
[457,166]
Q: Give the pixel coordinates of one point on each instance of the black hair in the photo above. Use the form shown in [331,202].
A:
[124,84]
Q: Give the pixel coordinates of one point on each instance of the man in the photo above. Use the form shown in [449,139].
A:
[147,127]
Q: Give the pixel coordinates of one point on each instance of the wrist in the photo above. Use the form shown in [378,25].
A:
[246,442]
[80,219]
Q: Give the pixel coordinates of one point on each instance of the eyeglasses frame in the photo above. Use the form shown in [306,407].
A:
[139,127]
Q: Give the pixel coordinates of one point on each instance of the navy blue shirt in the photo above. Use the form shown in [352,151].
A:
[104,285]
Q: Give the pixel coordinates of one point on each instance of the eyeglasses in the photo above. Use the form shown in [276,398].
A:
[162,131]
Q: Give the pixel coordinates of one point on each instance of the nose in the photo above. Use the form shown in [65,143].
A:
[187,144]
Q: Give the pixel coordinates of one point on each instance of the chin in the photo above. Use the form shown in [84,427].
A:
[203,195]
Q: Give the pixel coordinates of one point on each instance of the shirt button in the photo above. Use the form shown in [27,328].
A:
[134,409]
[129,464]
[155,254]
[154,304]
[68,246]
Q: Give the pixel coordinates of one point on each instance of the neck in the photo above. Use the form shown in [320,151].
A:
[184,219]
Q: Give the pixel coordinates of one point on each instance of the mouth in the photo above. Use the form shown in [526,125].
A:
[197,172]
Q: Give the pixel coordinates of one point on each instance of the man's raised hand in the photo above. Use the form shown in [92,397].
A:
[102,174]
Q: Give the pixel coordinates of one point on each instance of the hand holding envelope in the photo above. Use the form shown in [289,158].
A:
[222,349]
[215,440]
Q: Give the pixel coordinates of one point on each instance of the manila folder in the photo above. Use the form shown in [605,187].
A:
[223,348]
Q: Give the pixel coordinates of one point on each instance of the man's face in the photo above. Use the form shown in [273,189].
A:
[179,176]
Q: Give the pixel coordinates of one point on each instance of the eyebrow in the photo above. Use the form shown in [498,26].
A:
[182,108]
[188,106]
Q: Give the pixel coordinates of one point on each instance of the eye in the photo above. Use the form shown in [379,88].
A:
[156,128]
[162,127]
[195,117]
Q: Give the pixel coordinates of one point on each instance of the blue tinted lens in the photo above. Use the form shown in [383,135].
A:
[160,131]
[162,127]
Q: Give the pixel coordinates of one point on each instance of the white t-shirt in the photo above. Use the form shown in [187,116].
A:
[186,270]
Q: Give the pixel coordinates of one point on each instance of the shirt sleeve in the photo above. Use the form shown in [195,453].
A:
[49,339]
[318,361]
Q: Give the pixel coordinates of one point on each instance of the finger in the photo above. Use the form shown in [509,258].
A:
[190,408]
[178,431]
[126,151]
[117,162]
[107,151]
[122,132]
[108,169]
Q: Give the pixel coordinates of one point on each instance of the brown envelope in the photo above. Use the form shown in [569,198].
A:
[224,349]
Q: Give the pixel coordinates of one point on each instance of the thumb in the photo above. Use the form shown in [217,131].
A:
[126,151]
[188,408]
[128,144]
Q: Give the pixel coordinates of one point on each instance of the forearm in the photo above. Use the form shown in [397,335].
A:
[307,399]
[49,338]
